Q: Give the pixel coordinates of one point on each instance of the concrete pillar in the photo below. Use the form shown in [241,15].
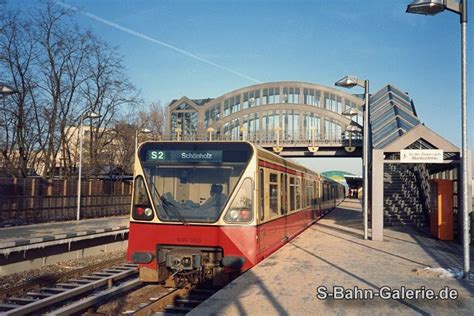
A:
[377,194]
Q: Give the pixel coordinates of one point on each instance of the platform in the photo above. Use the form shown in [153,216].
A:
[333,253]
[20,238]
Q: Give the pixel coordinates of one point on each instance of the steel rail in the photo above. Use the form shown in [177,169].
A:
[33,284]
[160,304]
[97,298]
[69,291]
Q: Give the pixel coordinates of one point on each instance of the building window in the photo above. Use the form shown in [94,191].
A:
[290,125]
[251,99]
[271,96]
[187,121]
[310,120]
[330,102]
[312,97]
[291,95]
[339,105]
[332,131]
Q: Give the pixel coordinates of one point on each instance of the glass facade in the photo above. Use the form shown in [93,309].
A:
[392,115]
[256,113]
[184,117]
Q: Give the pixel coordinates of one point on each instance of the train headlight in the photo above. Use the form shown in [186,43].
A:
[238,215]
[241,207]
[234,215]
[148,211]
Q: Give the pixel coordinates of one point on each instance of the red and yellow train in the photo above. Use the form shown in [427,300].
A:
[206,210]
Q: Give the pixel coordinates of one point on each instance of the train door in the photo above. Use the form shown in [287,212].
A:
[272,228]
[284,201]
[261,208]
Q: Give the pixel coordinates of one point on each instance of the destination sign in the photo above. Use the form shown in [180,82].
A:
[184,155]
[421,155]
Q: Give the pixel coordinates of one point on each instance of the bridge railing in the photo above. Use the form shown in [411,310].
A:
[270,139]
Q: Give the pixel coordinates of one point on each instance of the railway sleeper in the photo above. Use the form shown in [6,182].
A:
[68,285]
[20,300]
[80,281]
[6,307]
[187,301]
[39,295]
[53,290]
[92,277]
[103,274]
[177,309]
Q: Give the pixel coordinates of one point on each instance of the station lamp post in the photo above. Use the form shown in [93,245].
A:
[244,131]
[138,132]
[433,7]
[278,149]
[210,130]
[351,127]
[7,90]
[178,131]
[90,115]
[349,82]
[313,148]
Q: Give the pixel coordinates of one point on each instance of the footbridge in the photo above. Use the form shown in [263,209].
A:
[294,119]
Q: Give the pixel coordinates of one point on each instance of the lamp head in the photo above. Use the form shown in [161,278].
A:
[351,112]
[145,131]
[92,115]
[426,7]
[7,90]
[348,82]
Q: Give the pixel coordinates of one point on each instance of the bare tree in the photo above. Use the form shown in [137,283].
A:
[153,118]
[19,128]
[107,92]
[60,66]
[61,73]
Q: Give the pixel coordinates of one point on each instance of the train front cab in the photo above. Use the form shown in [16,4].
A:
[174,229]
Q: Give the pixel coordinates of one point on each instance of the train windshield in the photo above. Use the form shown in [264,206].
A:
[192,182]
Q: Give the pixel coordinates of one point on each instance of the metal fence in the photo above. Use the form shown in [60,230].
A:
[36,200]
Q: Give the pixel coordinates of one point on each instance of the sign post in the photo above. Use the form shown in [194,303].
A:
[421,156]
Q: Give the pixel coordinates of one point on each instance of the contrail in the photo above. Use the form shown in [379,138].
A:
[154,40]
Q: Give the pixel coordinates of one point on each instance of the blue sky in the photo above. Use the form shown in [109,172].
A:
[219,46]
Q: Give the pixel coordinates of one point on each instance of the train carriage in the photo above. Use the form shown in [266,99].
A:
[206,210]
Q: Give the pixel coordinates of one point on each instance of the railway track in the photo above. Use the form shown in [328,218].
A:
[75,294]
[89,287]
[175,302]
[22,288]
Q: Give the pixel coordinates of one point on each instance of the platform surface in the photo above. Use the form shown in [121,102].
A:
[16,236]
[333,253]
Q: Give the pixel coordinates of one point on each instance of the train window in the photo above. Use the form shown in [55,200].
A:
[141,203]
[140,196]
[192,182]
[309,192]
[274,194]
[316,190]
[292,194]
[283,195]
[303,192]
[240,211]
[261,209]
[298,193]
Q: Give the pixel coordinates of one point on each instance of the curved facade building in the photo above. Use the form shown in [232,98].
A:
[294,112]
